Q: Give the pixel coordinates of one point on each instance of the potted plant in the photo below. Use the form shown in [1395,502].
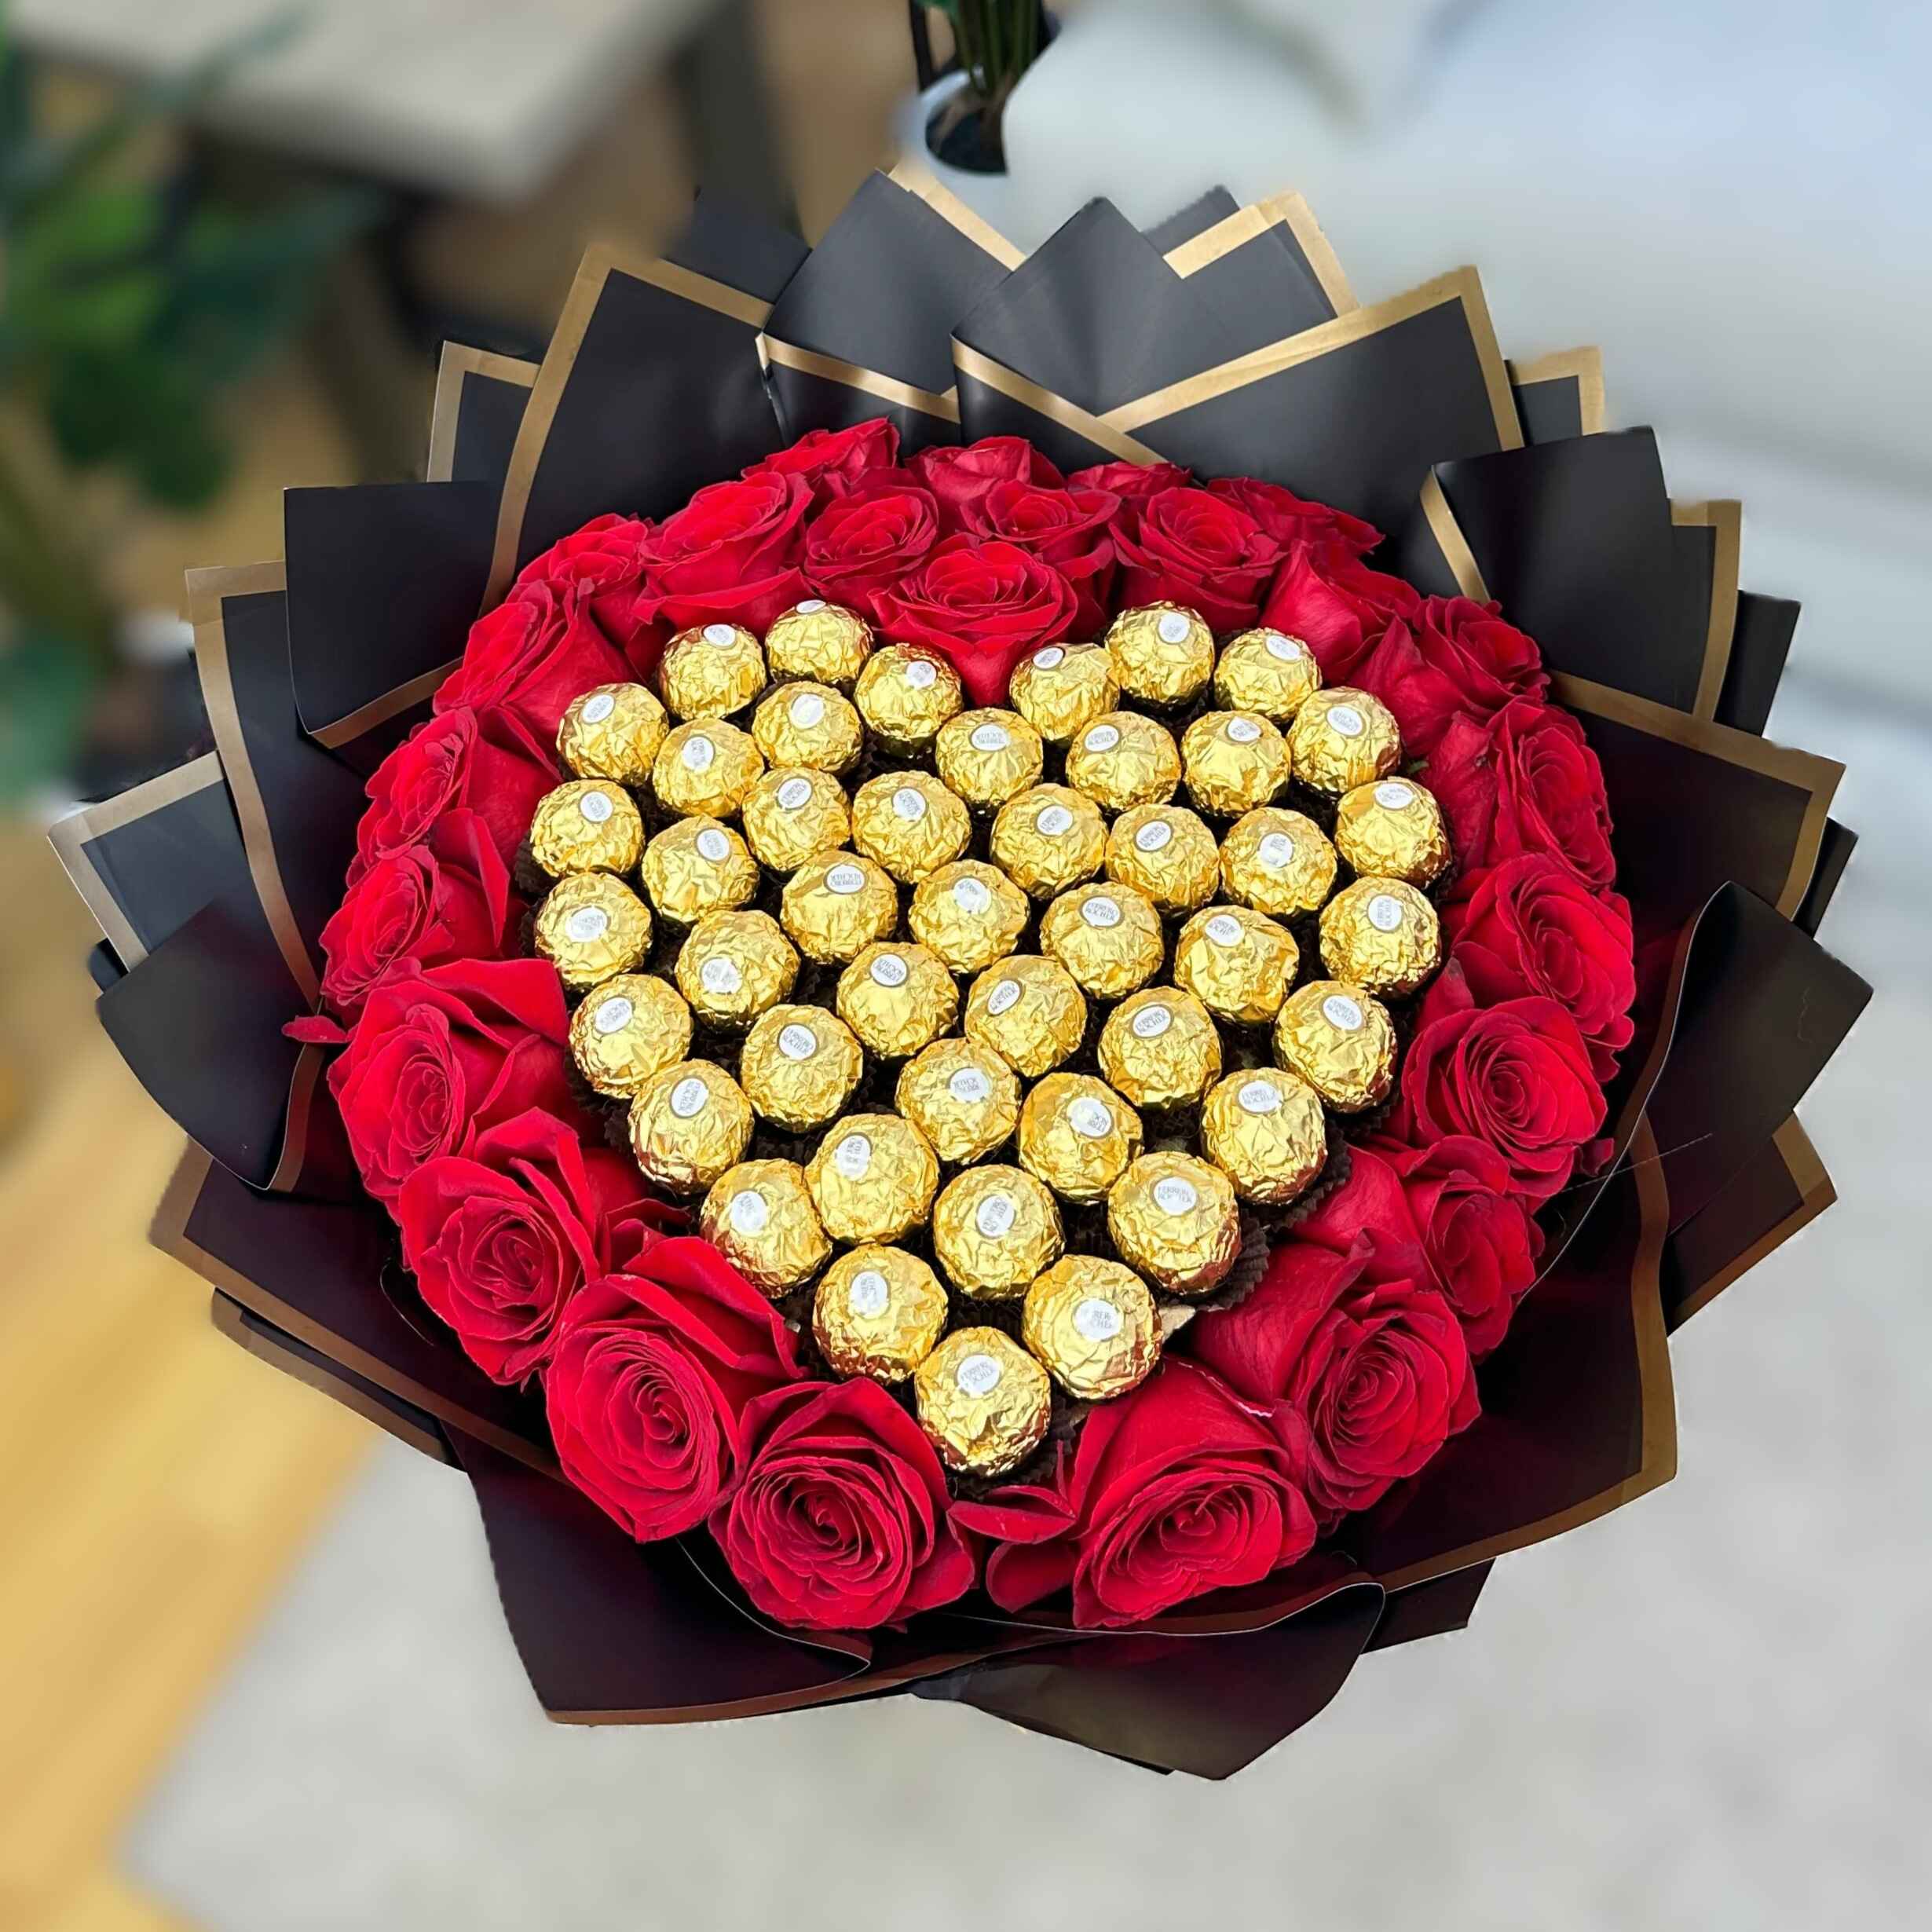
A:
[954,124]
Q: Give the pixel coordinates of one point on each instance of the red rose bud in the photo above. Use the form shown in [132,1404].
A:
[1456,661]
[1290,519]
[600,567]
[1193,547]
[833,463]
[864,542]
[530,656]
[1066,527]
[1132,484]
[1338,606]
[959,476]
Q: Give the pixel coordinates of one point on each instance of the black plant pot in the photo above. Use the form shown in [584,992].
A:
[967,142]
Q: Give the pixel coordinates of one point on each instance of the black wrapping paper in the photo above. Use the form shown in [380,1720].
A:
[1760,642]
[1560,395]
[1211,206]
[1267,268]
[1834,851]
[480,401]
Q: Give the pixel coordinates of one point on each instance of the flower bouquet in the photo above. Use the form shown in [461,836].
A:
[1034,979]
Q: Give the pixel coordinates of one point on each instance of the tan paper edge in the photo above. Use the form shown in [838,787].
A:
[1584,367]
[1724,518]
[888,389]
[1287,210]
[458,362]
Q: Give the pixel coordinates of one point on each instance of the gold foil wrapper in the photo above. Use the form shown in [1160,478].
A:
[987,757]
[1341,1041]
[1380,935]
[909,823]
[799,1066]
[688,1123]
[1090,1323]
[906,692]
[1063,686]
[836,904]
[1173,1219]
[872,1178]
[1122,759]
[1029,1010]
[1279,861]
[612,731]
[696,866]
[809,724]
[878,1311]
[711,670]
[1167,852]
[1048,838]
[1342,738]
[1266,1131]
[586,824]
[969,914]
[733,966]
[1160,1048]
[984,1402]
[628,1027]
[1077,1134]
[759,1215]
[1108,937]
[592,925]
[1162,653]
[826,642]
[1266,671]
[794,813]
[994,1228]
[962,1096]
[705,769]
[896,997]
[1240,964]
[1234,761]
[1393,828]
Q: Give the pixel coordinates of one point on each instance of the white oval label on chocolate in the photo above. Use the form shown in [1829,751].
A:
[811,606]
[1287,648]
[1003,997]
[1275,850]
[852,1157]
[1047,658]
[990,738]
[1225,929]
[688,1098]
[1095,1320]
[1346,719]
[1172,1195]
[1243,731]
[698,753]
[977,1375]
[970,1087]
[1259,1097]
[597,708]
[1102,737]
[1384,911]
[1155,836]
[909,803]
[922,674]
[845,880]
[1054,821]
[718,633]
[996,1216]
[1151,1022]
[1393,796]
[749,1214]
[587,923]
[797,1043]
[972,895]
[720,975]
[794,793]
[808,711]
[869,1294]
[1173,627]
[613,1015]
[596,807]
[888,970]
[1343,1012]
[712,844]
[1091,1119]
[1100,911]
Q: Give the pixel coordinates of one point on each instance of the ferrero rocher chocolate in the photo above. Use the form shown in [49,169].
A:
[1077,1134]
[962,1096]
[759,1215]
[630,1027]
[1063,686]
[1122,759]
[1341,1041]
[1393,828]
[808,724]
[1107,936]
[1342,738]
[711,670]
[994,1228]
[910,823]
[1166,852]
[1174,1218]
[878,1311]
[896,997]
[1160,1048]
[695,867]
[1277,861]
[794,813]
[1266,671]
[837,904]
[689,1123]
[826,642]
[1266,1131]
[1234,761]
[1162,653]
[873,1178]
[586,824]
[612,731]
[987,757]
[969,912]
[732,966]
[1031,1011]
[984,1402]
[1048,838]
[706,767]
[1090,1322]
[1380,935]
[592,925]
[905,694]
[1238,964]
[800,1066]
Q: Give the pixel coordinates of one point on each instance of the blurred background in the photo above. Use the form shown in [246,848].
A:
[254,1673]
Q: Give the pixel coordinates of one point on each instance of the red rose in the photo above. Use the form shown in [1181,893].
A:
[983,604]
[499,1239]
[1377,1370]
[530,656]
[446,898]
[457,762]
[1525,781]
[1067,529]
[1516,1075]
[835,462]
[1133,483]
[840,1519]
[730,555]
[958,475]
[441,1056]
[599,567]
[1457,660]
[1193,547]
[1530,926]
[647,1386]
[863,542]
[1290,519]
[1338,606]
[1174,1489]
